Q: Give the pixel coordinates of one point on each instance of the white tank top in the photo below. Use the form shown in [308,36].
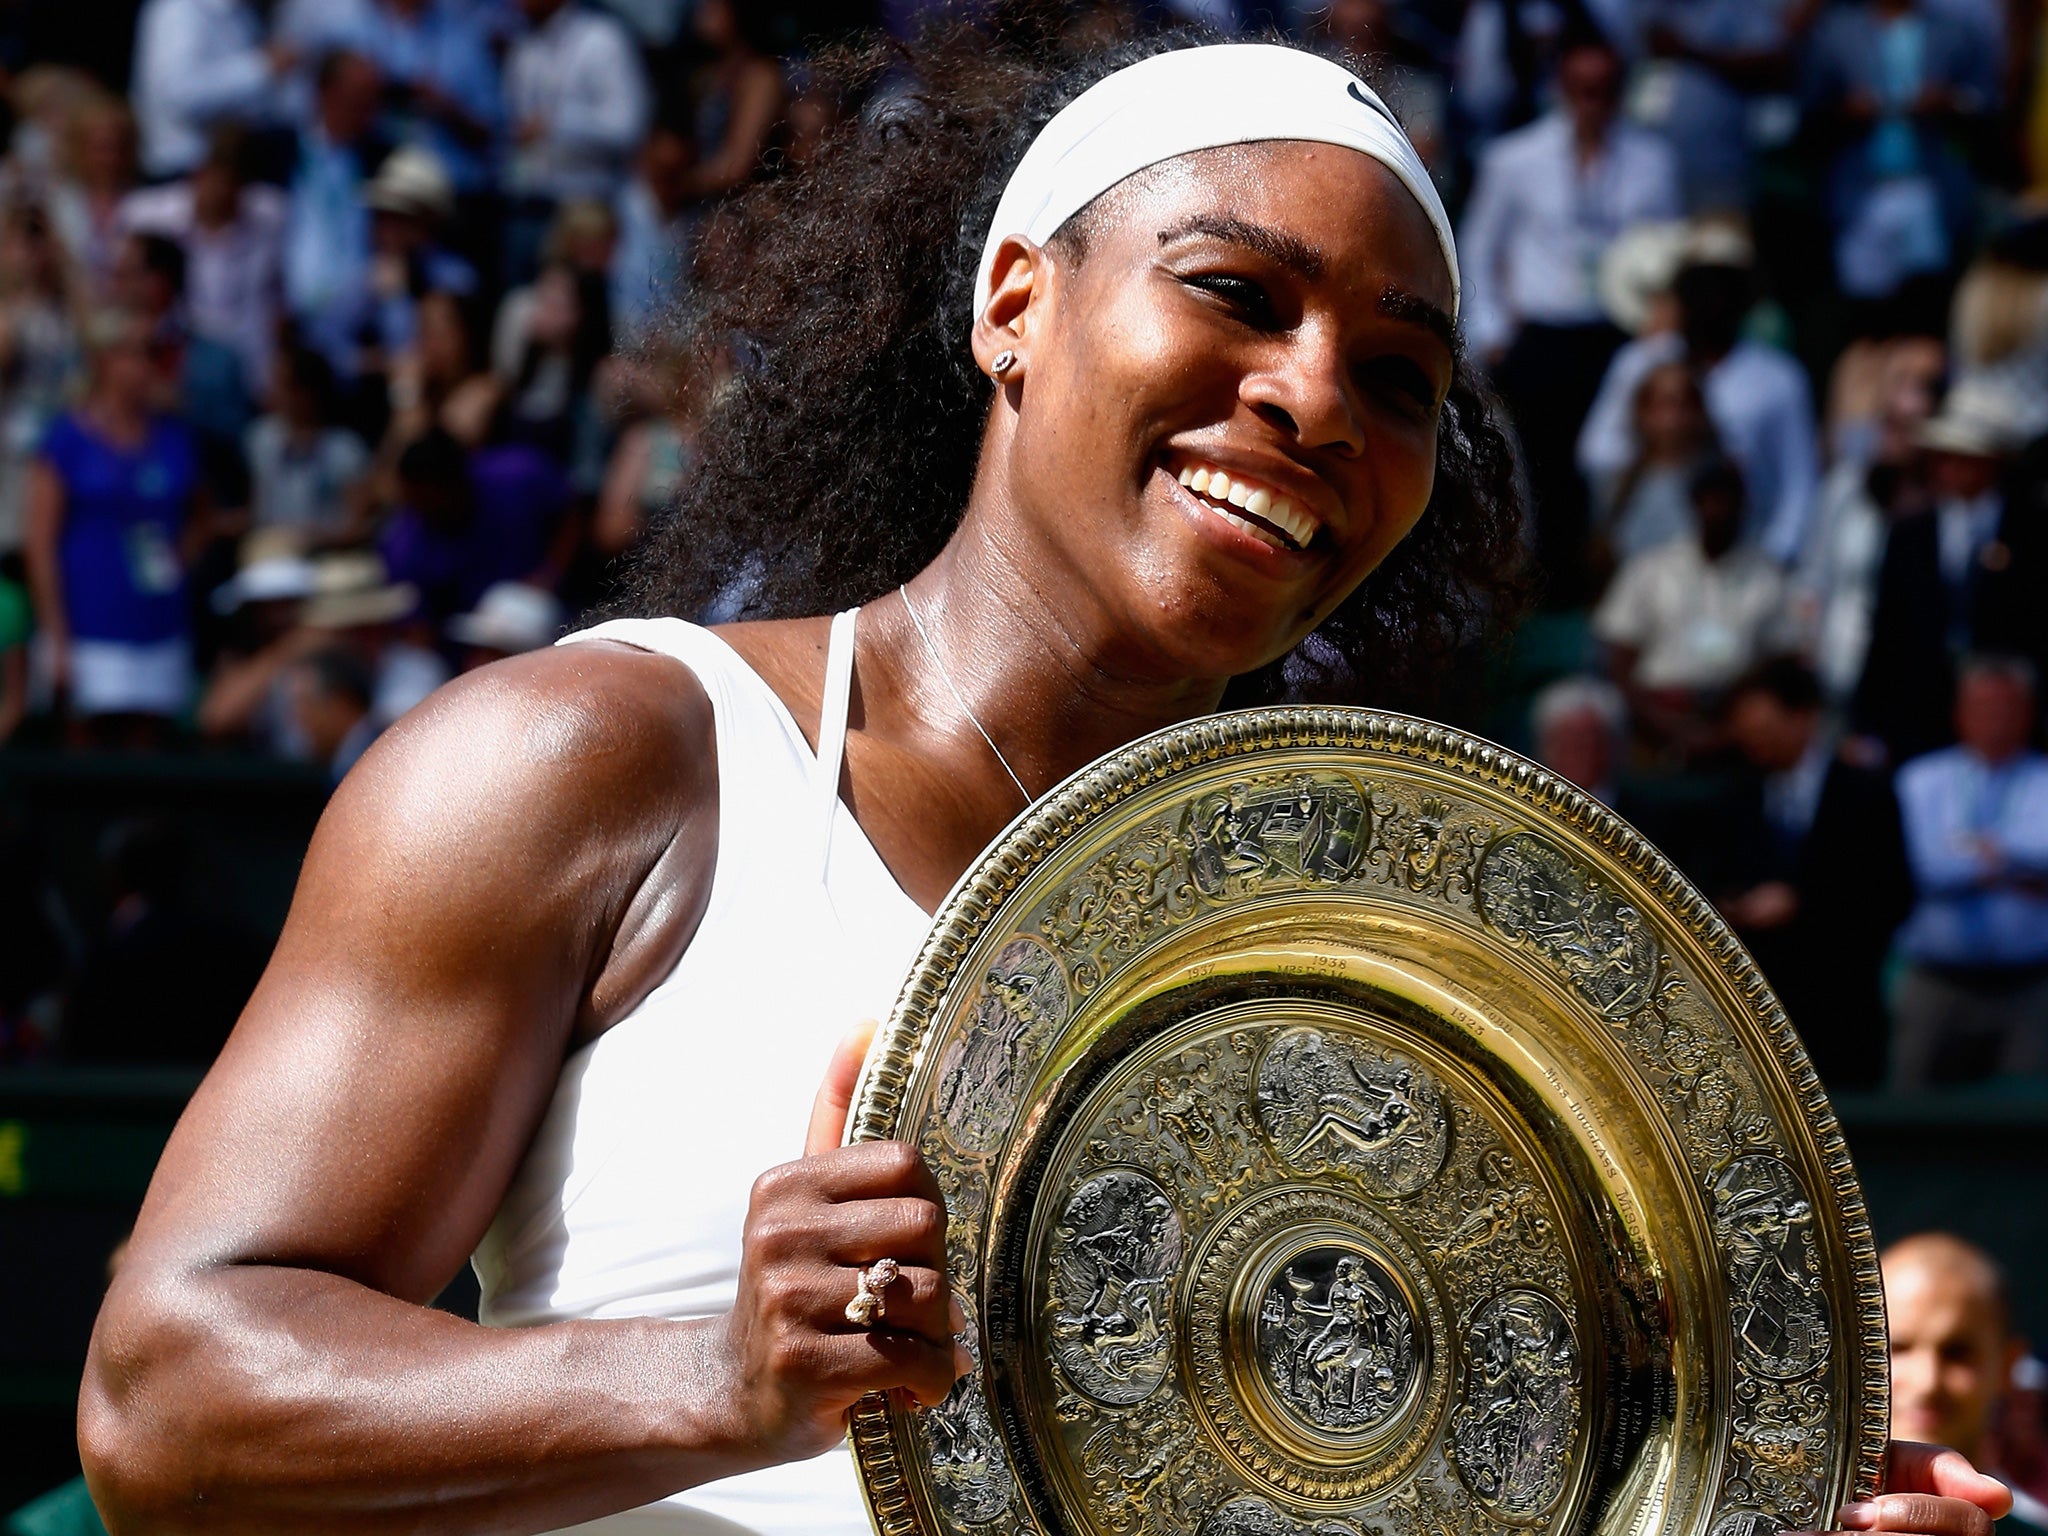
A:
[631,1200]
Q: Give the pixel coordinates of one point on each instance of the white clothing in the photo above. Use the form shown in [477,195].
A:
[578,75]
[1762,408]
[234,276]
[632,1198]
[123,677]
[1539,220]
[1697,623]
[197,62]
[1838,577]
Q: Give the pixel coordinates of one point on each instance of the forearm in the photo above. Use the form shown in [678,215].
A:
[260,1399]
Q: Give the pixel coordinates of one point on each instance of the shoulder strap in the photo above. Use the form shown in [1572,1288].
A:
[831,752]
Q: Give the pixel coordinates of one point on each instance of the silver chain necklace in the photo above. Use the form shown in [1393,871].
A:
[947,678]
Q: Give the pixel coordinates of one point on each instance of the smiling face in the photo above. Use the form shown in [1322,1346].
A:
[1224,412]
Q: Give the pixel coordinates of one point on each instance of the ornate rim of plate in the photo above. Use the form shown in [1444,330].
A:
[1346,1124]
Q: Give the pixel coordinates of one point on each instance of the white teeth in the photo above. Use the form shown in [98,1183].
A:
[1271,510]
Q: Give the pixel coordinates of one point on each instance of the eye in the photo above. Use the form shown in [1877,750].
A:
[1247,299]
[1404,377]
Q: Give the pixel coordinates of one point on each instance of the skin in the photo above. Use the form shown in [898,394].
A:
[512,868]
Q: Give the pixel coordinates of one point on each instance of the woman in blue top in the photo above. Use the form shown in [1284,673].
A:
[113,513]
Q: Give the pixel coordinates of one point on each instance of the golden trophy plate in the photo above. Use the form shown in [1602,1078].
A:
[1350,1129]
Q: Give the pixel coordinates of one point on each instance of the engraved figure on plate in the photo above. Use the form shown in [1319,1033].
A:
[1512,1433]
[1330,1102]
[984,1069]
[1115,1254]
[1336,1340]
[1532,892]
[970,1472]
[1290,826]
[1250,1515]
[1765,1222]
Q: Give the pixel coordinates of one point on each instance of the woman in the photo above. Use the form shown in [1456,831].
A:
[115,514]
[553,922]
[38,352]
[1650,502]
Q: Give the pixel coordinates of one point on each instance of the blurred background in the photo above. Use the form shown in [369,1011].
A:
[331,365]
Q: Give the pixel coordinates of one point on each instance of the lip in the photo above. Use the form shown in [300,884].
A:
[1221,534]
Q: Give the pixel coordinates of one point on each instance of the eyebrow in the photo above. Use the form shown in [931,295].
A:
[1290,251]
[1400,304]
[1303,259]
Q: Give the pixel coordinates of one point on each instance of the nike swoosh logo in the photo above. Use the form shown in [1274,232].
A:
[1357,94]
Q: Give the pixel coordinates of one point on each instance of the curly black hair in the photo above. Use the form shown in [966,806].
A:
[837,458]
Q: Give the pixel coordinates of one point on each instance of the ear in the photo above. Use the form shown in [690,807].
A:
[1015,307]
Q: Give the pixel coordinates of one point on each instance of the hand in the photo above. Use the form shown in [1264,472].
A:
[797,1364]
[1770,905]
[1930,1490]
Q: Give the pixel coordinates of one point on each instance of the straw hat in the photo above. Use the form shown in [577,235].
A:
[411,182]
[1978,418]
[1645,260]
[510,617]
[354,590]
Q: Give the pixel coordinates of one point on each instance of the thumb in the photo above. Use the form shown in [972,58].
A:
[835,1094]
[1936,1469]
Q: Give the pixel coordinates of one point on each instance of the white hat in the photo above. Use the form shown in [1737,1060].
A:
[411,181]
[1979,418]
[510,617]
[1644,260]
[271,579]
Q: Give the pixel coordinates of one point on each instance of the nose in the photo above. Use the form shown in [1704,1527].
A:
[1306,391]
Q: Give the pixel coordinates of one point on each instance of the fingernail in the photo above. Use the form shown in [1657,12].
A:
[963,1360]
[1857,1517]
[958,1315]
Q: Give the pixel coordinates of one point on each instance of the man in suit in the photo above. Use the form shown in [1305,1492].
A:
[1969,574]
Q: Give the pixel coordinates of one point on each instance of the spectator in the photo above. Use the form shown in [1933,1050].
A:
[1760,402]
[1547,200]
[245,698]
[739,94]
[467,521]
[411,202]
[550,339]
[578,106]
[327,237]
[232,235]
[1808,866]
[1581,730]
[162,983]
[306,474]
[199,63]
[648,468]
[443,382]
[1650,502]
[442,91]
[1953,1352]
[1712,63]
[1999,323]
[38,353]
[331,693]
[115,510]
[360,609]
[1685,619]
[1879,479]
[97,174]
[1969,573]
[510,619]
[1973,1000]
[1892,78]
[197,377]
[655,228]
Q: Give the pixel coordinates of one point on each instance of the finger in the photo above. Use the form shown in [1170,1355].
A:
[884,1358]
[1924,1514]
[872,1170]
[1917,1468]
[916,1301]
[835,1093]
[907,1229]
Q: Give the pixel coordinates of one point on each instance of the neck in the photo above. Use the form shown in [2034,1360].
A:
[1043,673]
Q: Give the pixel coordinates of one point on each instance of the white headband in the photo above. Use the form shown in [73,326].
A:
[1198,98]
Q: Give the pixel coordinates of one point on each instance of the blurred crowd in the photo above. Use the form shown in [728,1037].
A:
[332,364]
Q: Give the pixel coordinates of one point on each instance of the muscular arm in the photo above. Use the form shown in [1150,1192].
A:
[505,873]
